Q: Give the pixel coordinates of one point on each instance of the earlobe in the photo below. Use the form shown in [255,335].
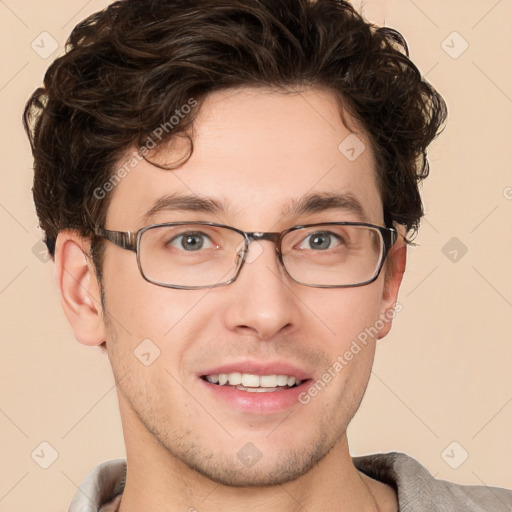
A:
[396,260]
[79,288]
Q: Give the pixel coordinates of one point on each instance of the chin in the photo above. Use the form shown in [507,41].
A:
[250,467]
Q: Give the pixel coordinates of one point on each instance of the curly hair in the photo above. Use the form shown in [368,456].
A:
[129,68]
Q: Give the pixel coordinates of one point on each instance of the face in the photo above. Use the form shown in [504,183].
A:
[255,153]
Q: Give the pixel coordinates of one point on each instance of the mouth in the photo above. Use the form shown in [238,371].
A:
[259,388]
[252,383]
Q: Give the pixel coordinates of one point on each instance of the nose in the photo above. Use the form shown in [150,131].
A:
[263,301]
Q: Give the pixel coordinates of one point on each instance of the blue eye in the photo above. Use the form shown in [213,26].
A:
[190,241]
[322,240]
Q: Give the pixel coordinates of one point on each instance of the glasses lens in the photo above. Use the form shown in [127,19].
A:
[190,255]
[332,255]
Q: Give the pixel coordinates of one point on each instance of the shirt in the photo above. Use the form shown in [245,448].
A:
[417,489]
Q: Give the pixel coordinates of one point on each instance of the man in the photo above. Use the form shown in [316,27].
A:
[227,189]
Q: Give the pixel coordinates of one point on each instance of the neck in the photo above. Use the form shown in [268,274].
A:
[157,480]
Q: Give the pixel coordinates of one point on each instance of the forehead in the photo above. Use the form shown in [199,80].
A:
[257,153]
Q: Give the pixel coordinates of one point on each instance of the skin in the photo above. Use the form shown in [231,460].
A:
[254,150]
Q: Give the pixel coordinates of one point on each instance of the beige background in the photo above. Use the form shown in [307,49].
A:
[444,373]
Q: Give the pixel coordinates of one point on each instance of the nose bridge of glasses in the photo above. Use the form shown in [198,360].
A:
[258,236]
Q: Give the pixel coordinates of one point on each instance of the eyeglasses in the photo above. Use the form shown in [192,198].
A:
[193,255]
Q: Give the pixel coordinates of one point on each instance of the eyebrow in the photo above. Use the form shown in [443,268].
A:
[319,202]
[311,203]
[181,202]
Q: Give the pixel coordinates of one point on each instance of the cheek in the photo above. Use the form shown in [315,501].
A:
[140,309]
[347,314]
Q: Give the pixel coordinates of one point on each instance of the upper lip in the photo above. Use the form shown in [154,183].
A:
[259,368]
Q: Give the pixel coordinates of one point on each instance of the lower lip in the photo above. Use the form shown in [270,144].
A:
[259,403]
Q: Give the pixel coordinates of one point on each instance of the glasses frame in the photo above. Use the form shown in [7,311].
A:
[131,241]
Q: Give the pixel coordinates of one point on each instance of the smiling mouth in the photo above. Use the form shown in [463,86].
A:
[253,383]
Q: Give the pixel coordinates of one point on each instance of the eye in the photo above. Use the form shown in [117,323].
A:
[321,240]
[191,241]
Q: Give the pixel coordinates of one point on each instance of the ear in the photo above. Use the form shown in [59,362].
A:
[394,272]
[79,288]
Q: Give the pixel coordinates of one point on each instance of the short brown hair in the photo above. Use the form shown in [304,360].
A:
[128,68]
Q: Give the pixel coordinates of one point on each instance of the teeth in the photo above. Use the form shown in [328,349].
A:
[247,380]
[257,390]
[269,381]
[282,380]
[235,378]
